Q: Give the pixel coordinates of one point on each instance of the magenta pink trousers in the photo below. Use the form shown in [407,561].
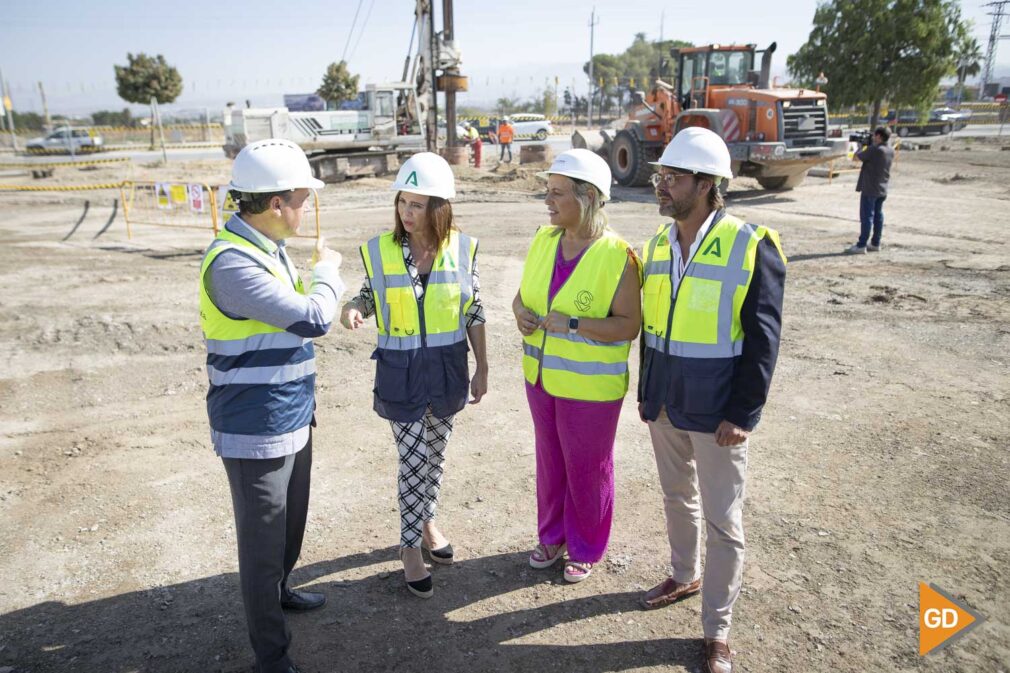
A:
[575,471]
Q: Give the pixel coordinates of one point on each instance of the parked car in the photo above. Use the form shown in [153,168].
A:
[65,139]
[442,130]
[528,125]
[938,120]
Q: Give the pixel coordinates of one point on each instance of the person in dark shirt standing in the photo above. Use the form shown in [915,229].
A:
[872,185]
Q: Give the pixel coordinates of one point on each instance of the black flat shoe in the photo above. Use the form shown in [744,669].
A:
[301,601]
[421,588]
[442,555]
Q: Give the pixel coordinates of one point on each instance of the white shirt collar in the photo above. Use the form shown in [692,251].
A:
[675,231]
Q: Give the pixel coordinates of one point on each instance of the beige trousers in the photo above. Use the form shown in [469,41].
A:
[692,463]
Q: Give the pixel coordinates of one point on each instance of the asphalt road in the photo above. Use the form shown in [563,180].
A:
[558,143]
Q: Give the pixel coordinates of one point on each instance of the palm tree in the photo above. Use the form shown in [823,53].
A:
[968,60]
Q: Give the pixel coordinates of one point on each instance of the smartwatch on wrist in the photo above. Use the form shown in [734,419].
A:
[573,324]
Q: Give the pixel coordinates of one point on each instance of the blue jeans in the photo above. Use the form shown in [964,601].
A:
[871,213]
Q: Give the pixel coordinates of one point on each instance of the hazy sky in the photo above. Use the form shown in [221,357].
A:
[250,50]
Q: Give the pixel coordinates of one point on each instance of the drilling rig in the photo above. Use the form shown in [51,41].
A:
[393,119]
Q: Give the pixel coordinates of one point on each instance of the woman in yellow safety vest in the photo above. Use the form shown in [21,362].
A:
[578,309]
[422,286]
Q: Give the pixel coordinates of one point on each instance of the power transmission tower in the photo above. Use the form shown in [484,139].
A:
[593,21]
[998,13]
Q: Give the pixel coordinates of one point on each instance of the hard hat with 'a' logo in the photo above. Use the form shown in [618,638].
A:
[697,150]
[427,174]
[273,165]
[584,165]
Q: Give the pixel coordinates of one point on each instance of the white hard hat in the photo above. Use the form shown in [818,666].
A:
[697,150]
[428,174]
[272,165]
[583,165]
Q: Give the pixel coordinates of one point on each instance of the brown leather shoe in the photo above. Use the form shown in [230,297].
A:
[669,591]
[718,658]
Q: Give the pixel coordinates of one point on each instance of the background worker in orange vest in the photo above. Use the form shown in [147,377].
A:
[472,138]
[506,132]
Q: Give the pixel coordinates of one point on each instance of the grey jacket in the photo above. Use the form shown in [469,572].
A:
[875,172]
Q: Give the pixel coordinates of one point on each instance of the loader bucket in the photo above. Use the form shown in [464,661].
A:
[594,141]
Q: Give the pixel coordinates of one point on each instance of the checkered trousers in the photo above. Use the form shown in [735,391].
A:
[421,445]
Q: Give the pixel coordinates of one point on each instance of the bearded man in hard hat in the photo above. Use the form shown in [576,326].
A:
[259,320]
[711,321]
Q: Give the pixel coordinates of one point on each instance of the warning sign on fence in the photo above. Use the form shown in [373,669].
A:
[180,195]
[228,205]
[161,190]
[196,198]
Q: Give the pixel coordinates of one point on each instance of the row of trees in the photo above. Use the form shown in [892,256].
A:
[871,51]
[886,50]
[145,77]
[617,75]
[33,121]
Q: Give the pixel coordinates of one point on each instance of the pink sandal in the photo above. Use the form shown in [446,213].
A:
[541,557]
[576,571]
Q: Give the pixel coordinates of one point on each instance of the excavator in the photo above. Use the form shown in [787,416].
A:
[774,135]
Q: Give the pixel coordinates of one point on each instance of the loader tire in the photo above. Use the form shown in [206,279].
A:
[628,162]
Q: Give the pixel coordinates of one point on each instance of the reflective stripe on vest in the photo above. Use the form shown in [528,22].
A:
[570,365]
[397,317]
[706,307]
[261,376]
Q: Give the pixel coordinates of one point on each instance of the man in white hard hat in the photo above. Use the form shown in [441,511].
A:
[710,336]
[259,320]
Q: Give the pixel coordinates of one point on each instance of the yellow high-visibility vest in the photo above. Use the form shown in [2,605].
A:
[706,313]
[447,297]
[262,377]
[569,365]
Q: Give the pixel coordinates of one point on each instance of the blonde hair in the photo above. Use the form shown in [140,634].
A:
[591,213]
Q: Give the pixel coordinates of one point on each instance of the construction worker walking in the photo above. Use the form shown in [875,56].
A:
[711,320]
[506,133]
[423,287]
[258,321]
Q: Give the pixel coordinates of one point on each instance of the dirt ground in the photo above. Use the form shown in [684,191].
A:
[881,461]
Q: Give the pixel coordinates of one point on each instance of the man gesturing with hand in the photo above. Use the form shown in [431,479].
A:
[258,321]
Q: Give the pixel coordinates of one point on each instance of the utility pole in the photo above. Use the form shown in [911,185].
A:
[450,74]
[45,109]
[998,13]
[5,95]
[593,21]
[161,130]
